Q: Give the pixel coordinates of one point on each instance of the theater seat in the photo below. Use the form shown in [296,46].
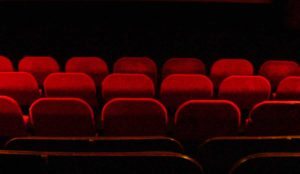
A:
[93,66]
[127,85]
[141,65]
[183,66]
[197,120]
[276,70]
[245,91]
[134,117]
[289,88]
[39,66]
[274,118]
[224,68]
[178,88]
[5,64]
[77,85]
[11,118]
[20,86]
[297,71]
[62,117]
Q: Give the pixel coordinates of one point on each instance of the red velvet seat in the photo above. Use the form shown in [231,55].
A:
[93,66]
[183,66]
[178,88]
[21,86]
[62,117]
[197,120]
[11,118]
[127,85]
[274,118]
[297,72]
[276,70]
[245,91]
[39,66]
[77,85]
[141,65]
[134,117]
[224,68]
[6,64]
[289,88]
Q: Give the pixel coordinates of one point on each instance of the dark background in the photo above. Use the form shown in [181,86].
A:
[157,29]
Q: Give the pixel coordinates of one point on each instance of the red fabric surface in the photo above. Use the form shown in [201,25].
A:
[178,88]
[224,68]
[276,70]
[39,66]
[62,117]
[134,117]
[127,85]
[245,91]
[202,119]
[183,66]
[77,85]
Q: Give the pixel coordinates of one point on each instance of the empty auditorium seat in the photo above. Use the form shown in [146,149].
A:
[142,65]
[6,64]
[183,66]
[289,88]
[178,88]
[263,163]
[77,85]
[127,85]
[21,86]
[95,144]
[297,71]
[93,66]
[62,117]
[224,68]
[218,155]
[39,66]
[197,120]
[134,117]
[274,118]
[11,118]
[245,91]
[276,70]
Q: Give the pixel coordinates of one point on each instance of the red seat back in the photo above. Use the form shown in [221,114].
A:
[274,118]
[289,88]
[183,66]
[197,120]
[127,85]
[21,86]
[141,65]
[62,117]
[245,91]
[95,67]
[6,64]
[178,88]
[77,85]
[224,68]
[39,66]
[11,118]
[134,117]
[276,70]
